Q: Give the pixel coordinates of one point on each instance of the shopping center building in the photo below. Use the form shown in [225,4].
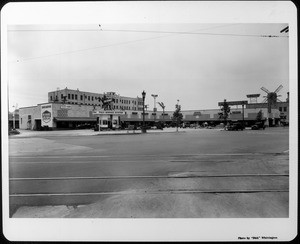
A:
[70,109]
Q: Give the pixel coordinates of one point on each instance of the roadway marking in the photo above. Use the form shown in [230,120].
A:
[148,192]
[147,176]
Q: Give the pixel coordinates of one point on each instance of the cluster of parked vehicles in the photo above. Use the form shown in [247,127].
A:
[239,126]
[235,126]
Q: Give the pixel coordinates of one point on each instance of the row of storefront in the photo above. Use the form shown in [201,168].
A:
[58,115]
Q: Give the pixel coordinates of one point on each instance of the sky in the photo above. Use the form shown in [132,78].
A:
[199,64]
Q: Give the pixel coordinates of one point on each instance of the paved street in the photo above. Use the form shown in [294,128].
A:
[193,173]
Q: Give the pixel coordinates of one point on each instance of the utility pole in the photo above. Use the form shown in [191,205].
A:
[14,121]
[14,117]
[154,108]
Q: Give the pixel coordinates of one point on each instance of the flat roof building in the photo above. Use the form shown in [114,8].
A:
[69,108]
[69,96]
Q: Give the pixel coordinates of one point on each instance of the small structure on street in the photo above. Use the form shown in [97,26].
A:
[107,117]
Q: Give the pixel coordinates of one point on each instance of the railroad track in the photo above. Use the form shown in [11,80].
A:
[71,181]
[86,190]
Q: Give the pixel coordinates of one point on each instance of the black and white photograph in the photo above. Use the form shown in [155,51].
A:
[163,120]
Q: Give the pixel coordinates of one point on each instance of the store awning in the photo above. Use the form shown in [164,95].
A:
[79,119]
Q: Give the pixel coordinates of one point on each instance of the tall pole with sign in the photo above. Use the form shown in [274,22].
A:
[154,107]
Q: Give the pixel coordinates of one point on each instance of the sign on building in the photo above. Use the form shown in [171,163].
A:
[66,106]
[109,112]
[232,103]
[47,115]
[197,114]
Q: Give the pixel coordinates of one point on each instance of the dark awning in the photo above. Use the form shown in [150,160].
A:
[79,119]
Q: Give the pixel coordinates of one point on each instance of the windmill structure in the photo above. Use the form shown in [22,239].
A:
[272,97]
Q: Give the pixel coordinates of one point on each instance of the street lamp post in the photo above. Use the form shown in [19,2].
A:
[154,108]
[143,127]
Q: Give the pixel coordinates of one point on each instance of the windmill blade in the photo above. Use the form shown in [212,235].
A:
[286,29]
[265,89]
[265,100]
[278,89]
[278,100]
[161,104]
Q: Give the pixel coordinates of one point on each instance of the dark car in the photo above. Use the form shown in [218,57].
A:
[235,126]
[258,126]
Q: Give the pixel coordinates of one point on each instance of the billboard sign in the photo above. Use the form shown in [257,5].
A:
[109,112]
[197,114]
[66,106]
[47,115]
[232,103]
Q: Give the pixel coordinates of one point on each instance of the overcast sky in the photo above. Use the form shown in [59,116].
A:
[199,64]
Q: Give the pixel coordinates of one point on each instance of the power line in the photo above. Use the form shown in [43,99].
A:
[196,33]
[160,32]
[87,49]
[74,30]
[170,33]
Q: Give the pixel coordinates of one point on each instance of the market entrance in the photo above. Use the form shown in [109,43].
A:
[108,119]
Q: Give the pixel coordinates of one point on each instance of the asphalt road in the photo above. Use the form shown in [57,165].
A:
[193,173]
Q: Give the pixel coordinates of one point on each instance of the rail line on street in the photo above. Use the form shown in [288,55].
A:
[65,198]
[146,155]
[147,176]
[74,180]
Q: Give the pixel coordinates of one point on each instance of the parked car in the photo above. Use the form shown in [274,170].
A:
[186,125]
[258,125]
[84,126]
[13,132]
[235,126]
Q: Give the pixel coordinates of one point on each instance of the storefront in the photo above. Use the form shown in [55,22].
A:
[108,119]
[73,116]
